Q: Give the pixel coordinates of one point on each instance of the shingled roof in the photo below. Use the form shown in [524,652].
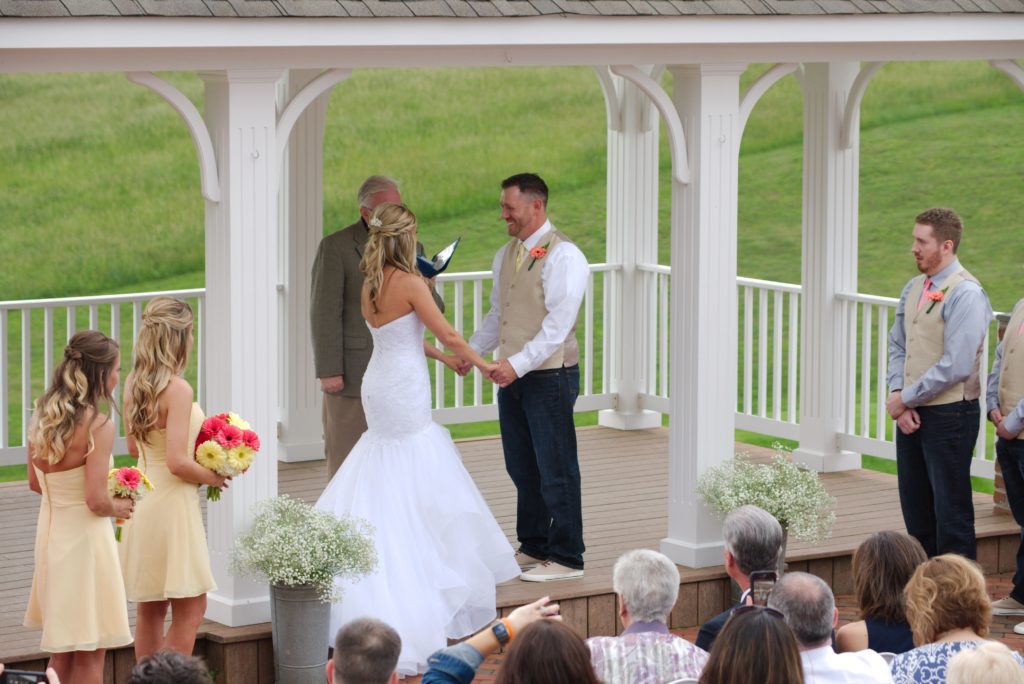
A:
[492,8]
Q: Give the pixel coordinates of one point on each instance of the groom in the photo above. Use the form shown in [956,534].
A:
[540,277]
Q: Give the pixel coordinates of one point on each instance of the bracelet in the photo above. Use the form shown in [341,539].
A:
[508,627]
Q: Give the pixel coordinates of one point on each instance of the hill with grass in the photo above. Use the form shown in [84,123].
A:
[100,182]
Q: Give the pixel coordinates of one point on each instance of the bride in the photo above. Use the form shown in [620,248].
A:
[440,551]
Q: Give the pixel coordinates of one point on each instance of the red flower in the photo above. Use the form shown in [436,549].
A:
[936,296]
[129,477]
[539,252]
[228,437]
[251,439]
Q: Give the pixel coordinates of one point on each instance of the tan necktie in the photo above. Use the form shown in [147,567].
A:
[924,293]
[520,255]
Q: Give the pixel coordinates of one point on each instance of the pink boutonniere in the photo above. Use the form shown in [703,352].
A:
[935,298]
[536,254]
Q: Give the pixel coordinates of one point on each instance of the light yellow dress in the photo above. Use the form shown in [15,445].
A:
[77,596]
[163,547]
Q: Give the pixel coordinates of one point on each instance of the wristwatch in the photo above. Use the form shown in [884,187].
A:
[501,633]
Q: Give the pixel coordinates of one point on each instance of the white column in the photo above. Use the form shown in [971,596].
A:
[829,263]
[302,221]
[242,312]
[631,238]
[703,306]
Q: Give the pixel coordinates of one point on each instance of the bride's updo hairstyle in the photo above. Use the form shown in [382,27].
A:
[160,353]
[79,382]
[392,241]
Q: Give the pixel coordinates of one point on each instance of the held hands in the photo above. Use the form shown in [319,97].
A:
[895,405]
[909,421]
[997,418]
[541,609]
[504,375]
[500,372]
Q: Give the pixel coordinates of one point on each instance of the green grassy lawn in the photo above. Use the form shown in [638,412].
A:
[101,183]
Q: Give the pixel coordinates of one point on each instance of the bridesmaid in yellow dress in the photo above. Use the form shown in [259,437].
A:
[163,553]
[77,596]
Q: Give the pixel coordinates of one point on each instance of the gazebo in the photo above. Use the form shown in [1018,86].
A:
[269,65]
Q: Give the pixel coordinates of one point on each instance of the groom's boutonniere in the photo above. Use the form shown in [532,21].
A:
[935,298]
[537,253]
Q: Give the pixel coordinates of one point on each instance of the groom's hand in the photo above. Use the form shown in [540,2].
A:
[504,375]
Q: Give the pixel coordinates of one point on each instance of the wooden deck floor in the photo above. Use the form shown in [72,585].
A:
[624,507]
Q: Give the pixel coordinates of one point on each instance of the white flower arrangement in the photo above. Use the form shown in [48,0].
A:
[291,543]
[790,492]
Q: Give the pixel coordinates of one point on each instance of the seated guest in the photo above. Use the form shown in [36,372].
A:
[647,584]
[810,611]
[170,667]
[949,611]
[753,541]
[755,645]
[990,663]
[882,565]
[365,651]
[536,655]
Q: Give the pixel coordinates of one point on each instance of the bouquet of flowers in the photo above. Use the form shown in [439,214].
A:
[126,483]
[227,446]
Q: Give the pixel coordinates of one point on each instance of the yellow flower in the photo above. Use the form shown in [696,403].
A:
[236,420]
[211,456]
[146,482]
[240,458]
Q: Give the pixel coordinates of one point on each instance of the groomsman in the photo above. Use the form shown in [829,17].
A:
[1006,410]
[540,278]
[934,357]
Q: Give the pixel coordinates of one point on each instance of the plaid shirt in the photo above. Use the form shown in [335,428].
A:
[645,653]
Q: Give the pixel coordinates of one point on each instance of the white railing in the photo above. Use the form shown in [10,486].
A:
[459,401]
[868,429]
[41,328]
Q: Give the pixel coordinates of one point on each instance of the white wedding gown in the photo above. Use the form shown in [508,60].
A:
[440,550]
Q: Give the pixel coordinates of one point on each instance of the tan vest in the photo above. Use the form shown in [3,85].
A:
[1011,368]
[522,305]
[925,340]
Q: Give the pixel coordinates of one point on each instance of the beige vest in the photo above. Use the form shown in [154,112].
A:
[924,340]
[1011,368]
[522,305]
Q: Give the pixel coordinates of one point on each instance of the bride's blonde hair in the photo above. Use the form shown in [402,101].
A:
[160,353]
[79,383]
[392,241]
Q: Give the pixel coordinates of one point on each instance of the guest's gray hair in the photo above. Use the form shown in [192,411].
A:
[753,537]
[648,583]
[808,606]
[366,651]
[371,186]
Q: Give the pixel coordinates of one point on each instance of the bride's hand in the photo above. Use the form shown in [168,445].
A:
[453,362]
[488,368]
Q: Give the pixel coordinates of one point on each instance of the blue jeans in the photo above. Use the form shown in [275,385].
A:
[1011,460]
[933,465]
[539,439]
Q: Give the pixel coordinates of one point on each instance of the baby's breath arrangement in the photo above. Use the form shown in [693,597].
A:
[790,492]
[291,543]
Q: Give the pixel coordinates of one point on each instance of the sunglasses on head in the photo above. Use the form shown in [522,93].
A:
[740,610]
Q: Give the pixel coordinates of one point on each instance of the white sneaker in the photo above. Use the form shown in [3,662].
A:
[1019,628]
[549,571]
[1008,606]
[526,561]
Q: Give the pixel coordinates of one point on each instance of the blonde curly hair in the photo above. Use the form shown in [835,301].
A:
[945,593]
[79,383]
[392,242]
[160,353]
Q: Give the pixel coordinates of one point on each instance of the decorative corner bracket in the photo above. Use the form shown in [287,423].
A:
[661,100]
[852,114]
[761,86]
[298,104]
[1011,69]
[209,180]
[612,99]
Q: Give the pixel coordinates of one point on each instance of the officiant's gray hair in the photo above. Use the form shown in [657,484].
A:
[753,537]
[371,186]
[365,650]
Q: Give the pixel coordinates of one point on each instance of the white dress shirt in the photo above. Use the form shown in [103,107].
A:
[822,665]
[564,276]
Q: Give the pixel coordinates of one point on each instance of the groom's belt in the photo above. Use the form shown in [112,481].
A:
[552,371]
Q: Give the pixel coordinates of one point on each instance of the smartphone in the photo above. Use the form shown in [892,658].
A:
[761,584]
[22,677]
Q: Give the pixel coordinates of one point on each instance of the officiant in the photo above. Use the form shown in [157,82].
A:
[341,341]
